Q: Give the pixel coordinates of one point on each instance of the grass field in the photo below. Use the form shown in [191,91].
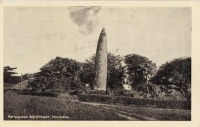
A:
[65,107]
[156,113]
[25,105]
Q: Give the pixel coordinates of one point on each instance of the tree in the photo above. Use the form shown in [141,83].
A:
[115,79]
[9,75]
[87,73]
[139,70]
[60,74]
[175,74]
[27,76]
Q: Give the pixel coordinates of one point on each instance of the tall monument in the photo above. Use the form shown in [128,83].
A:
[101,62]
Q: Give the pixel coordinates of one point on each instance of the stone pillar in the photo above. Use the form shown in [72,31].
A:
[101,62]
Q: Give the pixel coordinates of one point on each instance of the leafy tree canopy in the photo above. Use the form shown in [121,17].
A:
[9,75]
[175,74]
[58,74]
[139,70]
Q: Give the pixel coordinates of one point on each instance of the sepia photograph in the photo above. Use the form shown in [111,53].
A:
[97,63]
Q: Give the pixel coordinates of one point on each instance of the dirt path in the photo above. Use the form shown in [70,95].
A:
[129,116]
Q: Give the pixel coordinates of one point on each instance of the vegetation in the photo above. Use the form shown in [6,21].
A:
[139,69]
[115,79]
[26,105]
[156,113]
[87,73]
[175,75]
[115,73]
[9,75]
[156,91]
[60,74]
[68,75]
[172,104]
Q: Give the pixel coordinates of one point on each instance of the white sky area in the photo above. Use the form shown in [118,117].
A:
[35,35]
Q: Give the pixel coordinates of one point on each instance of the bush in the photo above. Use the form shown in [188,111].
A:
[48,94]
[97,92]
[29,92]
[135,101]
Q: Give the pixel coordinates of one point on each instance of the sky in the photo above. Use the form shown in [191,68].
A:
[32,36]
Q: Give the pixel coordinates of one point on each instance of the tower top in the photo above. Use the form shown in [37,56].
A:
[103,32]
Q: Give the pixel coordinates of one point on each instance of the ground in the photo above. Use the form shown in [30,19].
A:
[66,107]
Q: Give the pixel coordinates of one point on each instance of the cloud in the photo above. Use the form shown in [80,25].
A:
[85,18]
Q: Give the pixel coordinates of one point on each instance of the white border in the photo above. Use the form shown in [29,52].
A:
[195,122]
